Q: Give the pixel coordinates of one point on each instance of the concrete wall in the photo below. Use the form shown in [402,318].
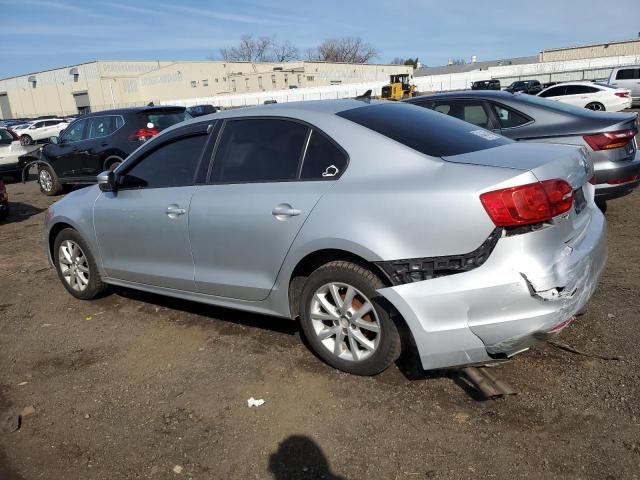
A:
[613,49]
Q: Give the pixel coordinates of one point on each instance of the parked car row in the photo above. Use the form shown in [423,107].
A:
[378,224]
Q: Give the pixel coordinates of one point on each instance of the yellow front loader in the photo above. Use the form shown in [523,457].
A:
[399,87]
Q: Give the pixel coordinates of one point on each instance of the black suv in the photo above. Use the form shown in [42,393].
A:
[97,142]
[532,87]
[486,85]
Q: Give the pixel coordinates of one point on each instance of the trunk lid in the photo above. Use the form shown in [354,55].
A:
[545,161]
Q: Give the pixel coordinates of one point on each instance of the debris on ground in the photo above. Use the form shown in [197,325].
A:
[252,402]
[26,411]
[177,469]
[570,349]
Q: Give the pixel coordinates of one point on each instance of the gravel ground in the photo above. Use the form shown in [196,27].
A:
[136,386]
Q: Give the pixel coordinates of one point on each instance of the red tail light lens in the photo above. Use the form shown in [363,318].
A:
[143,134]
[609,140]
[620,181]
[528,204]
[622,94]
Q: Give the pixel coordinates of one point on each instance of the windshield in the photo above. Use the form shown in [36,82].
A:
[162,120]
[424,130]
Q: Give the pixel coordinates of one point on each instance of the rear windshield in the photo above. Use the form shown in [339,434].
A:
[424,130]
[162,120]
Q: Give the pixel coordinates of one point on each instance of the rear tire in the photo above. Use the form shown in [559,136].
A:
[112,163]
[49,183]
[346,322]
[76,266]
[595,106]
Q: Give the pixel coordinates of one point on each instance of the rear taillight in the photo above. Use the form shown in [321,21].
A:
[631,178]
[609,140]
[143,134]
[13,134]
[622,94]
[528,204]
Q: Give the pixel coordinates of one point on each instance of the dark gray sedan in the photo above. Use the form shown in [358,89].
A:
[608,137]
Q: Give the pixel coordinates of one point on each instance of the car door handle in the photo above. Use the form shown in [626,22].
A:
[285,210]
[174,211]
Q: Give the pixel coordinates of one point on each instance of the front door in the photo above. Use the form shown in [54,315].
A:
[244,221]
[142,228]
[68,151]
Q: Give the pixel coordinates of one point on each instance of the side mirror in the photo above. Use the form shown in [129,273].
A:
[54,140]
[107,181]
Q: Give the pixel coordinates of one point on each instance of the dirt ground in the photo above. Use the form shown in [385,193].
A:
[136,386]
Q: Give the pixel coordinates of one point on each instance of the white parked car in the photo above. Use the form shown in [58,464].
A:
[594,96]
[40,130]
[10,150]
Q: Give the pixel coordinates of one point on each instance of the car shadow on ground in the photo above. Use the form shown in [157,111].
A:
[19,212]
[408,363]
[298,456]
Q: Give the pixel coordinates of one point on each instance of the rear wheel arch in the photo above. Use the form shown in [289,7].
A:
[311,262]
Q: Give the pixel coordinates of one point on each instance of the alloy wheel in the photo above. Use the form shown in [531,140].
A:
[345,321]
[46,182]
[74,265]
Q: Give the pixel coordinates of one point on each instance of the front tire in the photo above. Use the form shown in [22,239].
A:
[76,266]
[345,320]
[26,140]
[49,183]
[595,106]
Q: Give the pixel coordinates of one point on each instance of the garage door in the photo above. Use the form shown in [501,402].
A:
[82,102]
[5,108]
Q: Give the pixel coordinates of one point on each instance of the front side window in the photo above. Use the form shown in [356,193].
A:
[509,118]
[259,150]
[580,89]
[75,131]
[323,160]
[170,165]
[36,125]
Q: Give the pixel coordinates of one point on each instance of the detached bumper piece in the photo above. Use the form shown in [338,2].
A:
[411,270]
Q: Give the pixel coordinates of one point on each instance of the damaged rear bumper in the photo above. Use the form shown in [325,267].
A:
[526,291]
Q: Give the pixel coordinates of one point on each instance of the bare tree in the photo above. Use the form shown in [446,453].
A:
[346,49]
[284,51]
[262,49]
[249,50]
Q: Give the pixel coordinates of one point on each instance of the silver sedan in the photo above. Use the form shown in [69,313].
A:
[363,219]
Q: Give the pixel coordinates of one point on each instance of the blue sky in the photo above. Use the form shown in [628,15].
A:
[40,34]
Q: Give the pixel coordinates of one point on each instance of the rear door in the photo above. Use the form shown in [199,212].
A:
[143,227]
[262,187]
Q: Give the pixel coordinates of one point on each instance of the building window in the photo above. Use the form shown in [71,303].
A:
[193,84]
[260,83]
[286,78]
[273,79]
[205,83]
[224,79]
[233,84]
[310,78]
[299,78]
[216,79]
[246,82]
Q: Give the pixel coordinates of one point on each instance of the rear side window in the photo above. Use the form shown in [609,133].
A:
[171,165]
[554,92]
[259,150]
[104,126]
[509,118]
[323,160]
[162,120]
[628,74]
[469,111]
[423,130]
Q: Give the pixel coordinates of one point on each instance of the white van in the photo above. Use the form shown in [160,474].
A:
[627,77]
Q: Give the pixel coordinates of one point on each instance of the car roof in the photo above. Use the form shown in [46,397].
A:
[121,111]
[497,94]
